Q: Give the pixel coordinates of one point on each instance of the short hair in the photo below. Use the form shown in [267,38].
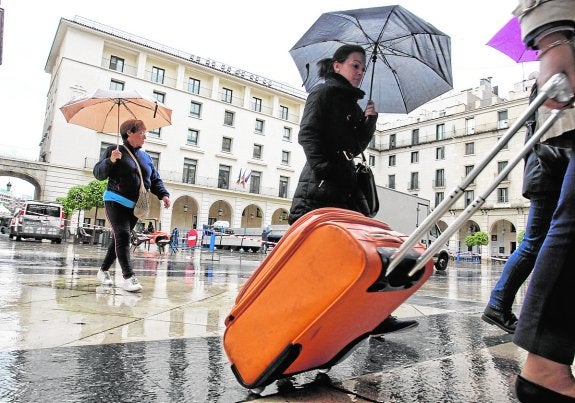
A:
[340,55]
[131,126]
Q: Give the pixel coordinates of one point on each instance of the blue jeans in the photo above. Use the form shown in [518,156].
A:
[522,260]
[122,221]
[546,325]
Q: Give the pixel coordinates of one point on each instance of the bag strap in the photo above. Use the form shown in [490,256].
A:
[137,166]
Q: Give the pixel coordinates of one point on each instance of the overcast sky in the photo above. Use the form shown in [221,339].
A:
[252,35]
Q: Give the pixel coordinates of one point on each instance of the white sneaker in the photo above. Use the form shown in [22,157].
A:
[132,285]
[104,277]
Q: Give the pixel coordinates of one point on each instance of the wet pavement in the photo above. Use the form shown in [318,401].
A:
[63,337]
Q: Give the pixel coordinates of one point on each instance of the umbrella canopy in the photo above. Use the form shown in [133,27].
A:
[408,59]
[508,41]
[105,110]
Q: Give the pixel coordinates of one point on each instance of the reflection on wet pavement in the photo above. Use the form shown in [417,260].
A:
[64,337]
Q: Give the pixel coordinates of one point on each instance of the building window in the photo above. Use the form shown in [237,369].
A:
[372,142]
[371,160]
[391,160]
[284,112]
[505,146]
[414,157]
[100,222]
[500,167]
[257,104]
[469,148]
[195,110]
[159,96]
[226,144]
[283,187]
[116,85]
[259,126]
[155,133]
[285,157]
[189,174]
[502,195]
[392,141]
[224,177]
[158,75]
[229,118]
[414,181]
[440,177]
[440,132]
[258,149]
[502,120]
[103,147]
[287,134]
[391,181]
[438,198]
[440,153]
[193,136]
[470,126]
[155,158]
[414,137]
[469,197]
[116,63]
[193,85]
[255,179]
[468,169]
[227,95]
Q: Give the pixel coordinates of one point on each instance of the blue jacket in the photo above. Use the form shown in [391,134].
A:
[123,177]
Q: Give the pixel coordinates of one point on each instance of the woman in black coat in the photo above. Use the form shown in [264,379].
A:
[333,130]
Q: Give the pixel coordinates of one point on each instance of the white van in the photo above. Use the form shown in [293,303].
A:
[38,220]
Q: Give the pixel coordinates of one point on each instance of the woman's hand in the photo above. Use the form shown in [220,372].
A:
[370,109]
[556,59]
[116,155]
[166,201]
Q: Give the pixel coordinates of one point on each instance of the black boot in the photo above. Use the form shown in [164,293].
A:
[505,320]
[392,324]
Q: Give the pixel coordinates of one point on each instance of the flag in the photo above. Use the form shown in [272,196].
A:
[245,179]
[239,177]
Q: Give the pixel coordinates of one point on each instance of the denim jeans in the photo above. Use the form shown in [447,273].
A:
[522,260]
[122,221]
[547,321]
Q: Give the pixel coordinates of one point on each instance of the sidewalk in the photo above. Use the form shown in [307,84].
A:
[65,338]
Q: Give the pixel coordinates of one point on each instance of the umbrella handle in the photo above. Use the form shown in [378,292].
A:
[373,59]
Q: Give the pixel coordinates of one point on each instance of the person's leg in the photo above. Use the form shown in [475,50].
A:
[521,261]
[122,222]
[546,327]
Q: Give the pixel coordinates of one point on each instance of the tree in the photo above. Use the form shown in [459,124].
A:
[479,238]
[520,236]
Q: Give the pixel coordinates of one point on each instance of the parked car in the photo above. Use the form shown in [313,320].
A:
[4,225]
[38,220]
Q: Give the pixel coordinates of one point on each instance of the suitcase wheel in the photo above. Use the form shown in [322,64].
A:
[257,391]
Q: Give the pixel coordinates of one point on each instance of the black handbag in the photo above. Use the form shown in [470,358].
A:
[366,183]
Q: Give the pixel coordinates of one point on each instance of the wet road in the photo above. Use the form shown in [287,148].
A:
[65,338]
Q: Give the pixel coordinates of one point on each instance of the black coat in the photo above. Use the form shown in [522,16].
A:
[332,125]
[123,177]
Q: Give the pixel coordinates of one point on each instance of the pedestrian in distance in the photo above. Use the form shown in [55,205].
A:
[546,326]
[542,179]
[119,167]
[333,130]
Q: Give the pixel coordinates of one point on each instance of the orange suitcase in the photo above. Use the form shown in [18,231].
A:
[321,290]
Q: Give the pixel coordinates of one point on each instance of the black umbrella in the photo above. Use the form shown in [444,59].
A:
[408,59]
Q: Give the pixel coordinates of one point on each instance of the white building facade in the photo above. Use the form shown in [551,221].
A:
[231,152]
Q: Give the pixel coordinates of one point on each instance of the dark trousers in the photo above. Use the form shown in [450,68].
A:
[122,221]
[521,262]
[547,321]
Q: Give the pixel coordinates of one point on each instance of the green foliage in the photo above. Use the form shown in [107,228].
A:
[479,238]
[470,240]
[83,197]
[93,193]
[520,236]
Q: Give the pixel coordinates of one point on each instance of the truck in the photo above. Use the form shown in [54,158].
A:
[404,212]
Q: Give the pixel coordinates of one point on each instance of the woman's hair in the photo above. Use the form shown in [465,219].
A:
[340,55]
[131,126]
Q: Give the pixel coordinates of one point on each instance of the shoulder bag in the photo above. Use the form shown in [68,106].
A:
[366,182]
[142,207]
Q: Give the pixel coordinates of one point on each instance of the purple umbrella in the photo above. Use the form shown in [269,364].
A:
[508,40]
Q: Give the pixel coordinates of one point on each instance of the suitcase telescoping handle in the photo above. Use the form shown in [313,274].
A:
[556,87]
